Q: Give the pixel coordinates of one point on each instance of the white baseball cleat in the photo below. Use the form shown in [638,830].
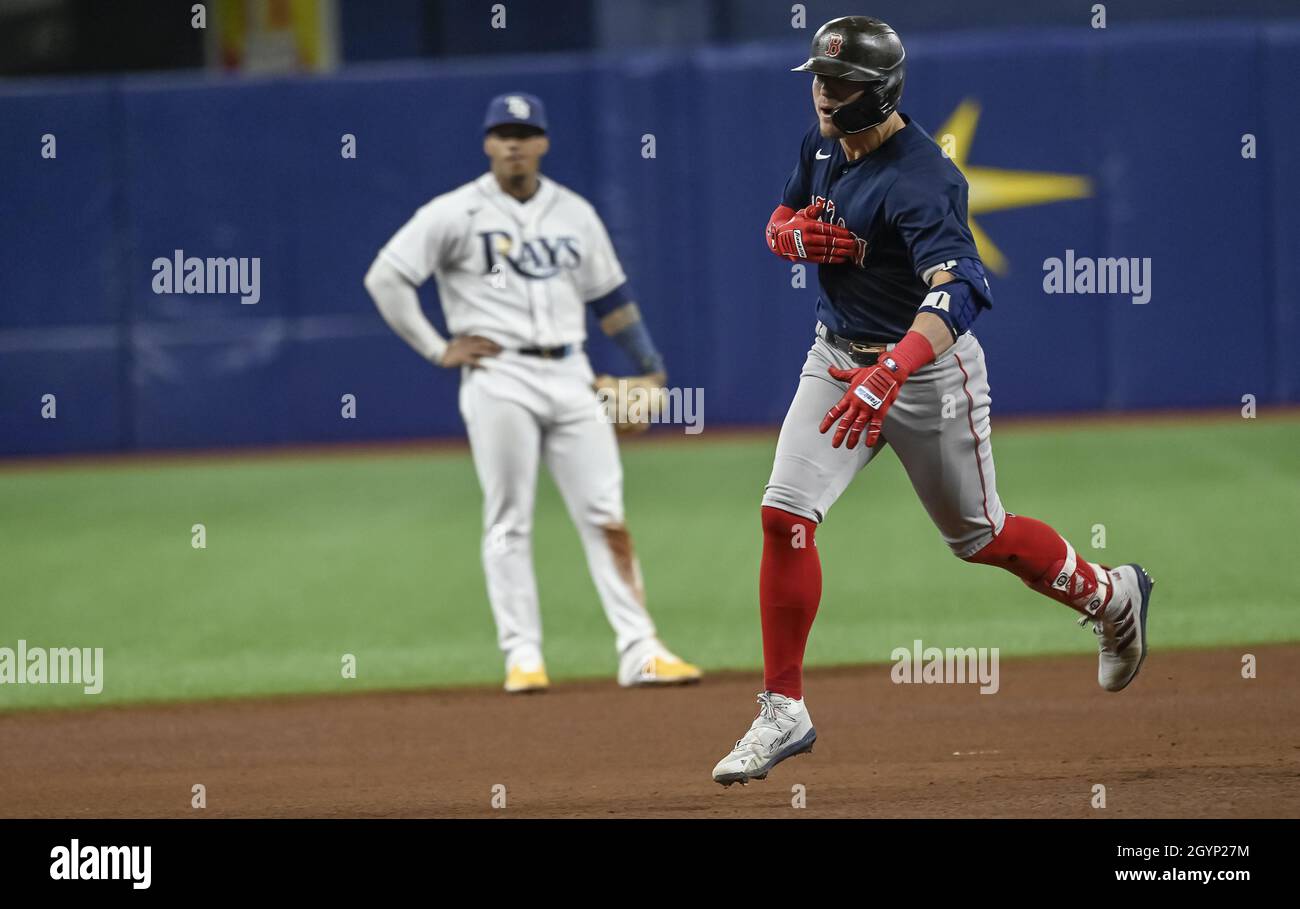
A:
[651,663]
[1122,628]
[781,730]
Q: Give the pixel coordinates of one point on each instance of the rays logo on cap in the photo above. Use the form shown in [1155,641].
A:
[834,42]
[518,107]
[515,108]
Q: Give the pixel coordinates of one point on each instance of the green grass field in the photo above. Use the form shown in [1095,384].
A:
[377,555]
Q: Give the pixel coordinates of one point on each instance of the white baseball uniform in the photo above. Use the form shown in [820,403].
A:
[521,274]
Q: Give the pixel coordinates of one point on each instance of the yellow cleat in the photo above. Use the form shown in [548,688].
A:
[520,680]
[665,669]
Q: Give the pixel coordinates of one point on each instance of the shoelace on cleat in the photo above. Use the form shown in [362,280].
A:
[767,712]
[1120,634]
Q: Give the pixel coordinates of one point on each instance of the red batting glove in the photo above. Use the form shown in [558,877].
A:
[872,389]
[799,235]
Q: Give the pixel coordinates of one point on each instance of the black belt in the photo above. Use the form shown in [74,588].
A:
[548,353]
[864,353]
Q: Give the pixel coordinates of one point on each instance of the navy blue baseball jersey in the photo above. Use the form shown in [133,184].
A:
[908,202]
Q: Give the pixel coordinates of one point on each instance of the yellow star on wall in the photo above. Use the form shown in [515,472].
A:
[993,189]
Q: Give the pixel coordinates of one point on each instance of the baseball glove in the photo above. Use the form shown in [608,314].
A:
[631,403]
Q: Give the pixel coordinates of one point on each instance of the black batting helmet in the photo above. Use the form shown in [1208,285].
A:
[860,49]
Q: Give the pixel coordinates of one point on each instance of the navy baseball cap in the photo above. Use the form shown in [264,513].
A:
[515,107]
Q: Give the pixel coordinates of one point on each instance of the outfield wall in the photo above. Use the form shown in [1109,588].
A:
[1152,117]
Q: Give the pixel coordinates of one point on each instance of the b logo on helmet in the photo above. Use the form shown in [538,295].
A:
[518,107]
[834,41]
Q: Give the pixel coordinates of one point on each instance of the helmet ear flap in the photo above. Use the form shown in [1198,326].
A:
[878,102]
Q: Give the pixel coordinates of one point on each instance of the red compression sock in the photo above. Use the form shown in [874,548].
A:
[789,589]
[1039,556]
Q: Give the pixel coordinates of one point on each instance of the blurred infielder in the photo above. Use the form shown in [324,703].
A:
[876,204]
[518,259]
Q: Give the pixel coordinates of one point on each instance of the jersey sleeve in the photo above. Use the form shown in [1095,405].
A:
[931,220]
[798,189]
[420,245]
[600,271]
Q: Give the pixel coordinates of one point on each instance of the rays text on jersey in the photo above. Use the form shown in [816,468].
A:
[539,258]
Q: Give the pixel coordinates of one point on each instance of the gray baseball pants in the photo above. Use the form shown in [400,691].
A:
[939,427]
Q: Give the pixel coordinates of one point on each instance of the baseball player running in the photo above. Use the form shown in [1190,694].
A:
[876,204]
[518,260]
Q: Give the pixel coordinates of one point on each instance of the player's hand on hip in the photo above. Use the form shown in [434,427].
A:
[872,389]
[800,236]
[468,350]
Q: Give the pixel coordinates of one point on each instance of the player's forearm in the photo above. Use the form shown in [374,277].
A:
[934,329]
[399,304]
[624,325]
